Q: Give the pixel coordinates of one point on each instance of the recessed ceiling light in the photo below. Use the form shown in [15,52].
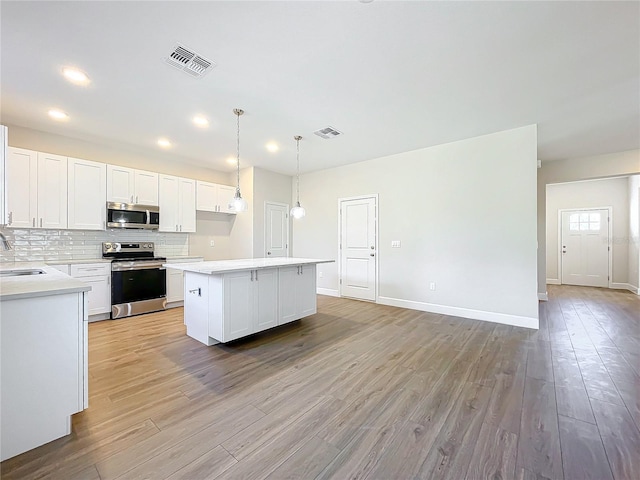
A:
[232,160]
[75,76]
[164,143]
[58,114]
[200,121]
[272,147]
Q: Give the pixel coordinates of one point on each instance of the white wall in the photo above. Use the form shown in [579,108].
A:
[610,192]
[634,232]
[570,170]
[465,213]
[267,187]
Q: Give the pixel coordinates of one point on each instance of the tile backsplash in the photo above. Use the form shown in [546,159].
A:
[33,245]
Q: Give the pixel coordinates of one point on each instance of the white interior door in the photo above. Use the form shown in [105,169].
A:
[358,248]
[276,226]
[585,248]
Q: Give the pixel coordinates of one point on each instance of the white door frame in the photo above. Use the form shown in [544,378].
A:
[609,234]
[286,205]
[377,249]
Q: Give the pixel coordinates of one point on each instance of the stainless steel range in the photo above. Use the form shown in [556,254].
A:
[138,279]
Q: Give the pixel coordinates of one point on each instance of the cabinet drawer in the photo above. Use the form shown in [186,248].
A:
[90,270]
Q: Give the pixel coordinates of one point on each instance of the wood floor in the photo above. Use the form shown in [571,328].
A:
[362,391]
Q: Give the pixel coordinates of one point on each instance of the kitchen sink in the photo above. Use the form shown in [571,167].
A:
[20,273]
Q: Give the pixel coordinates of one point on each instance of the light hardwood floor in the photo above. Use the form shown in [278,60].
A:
[362,391]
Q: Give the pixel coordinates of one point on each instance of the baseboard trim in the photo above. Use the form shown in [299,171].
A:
[553,281]
[506,319]
[327,291]
[99,317]
[179,303]
[625,286]
[544,296]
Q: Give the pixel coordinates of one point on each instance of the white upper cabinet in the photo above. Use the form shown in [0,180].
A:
[87,184]
[187,207]
[177,204]
[146,187]
[128,185]
[36,189]
[212,197]
[22,185]
[52,191]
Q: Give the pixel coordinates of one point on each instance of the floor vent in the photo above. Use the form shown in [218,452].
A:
[189,62]
[327,133]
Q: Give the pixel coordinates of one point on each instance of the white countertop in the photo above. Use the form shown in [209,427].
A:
[78,261]
[183,258]
[223,266]
[52,282]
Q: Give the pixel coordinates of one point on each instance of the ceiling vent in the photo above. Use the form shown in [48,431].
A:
[189,61]
[327,133]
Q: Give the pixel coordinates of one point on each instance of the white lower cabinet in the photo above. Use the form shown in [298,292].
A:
[175,286]
[98,275]
[43,350]
[175,282]
[297,292]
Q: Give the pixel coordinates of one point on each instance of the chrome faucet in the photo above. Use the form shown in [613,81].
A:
[4,243]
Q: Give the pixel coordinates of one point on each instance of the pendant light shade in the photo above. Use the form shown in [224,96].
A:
[238,204]
[298,211]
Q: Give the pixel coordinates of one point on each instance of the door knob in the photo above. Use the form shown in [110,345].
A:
[372,254]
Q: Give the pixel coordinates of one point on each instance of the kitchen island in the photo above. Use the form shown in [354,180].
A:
[230,299]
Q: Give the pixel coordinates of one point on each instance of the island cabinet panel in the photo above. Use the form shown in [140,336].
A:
[197,294]
[265,299]
[238,305]
[297,292]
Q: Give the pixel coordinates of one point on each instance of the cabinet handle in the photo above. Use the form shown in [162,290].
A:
[131,198]
[33,222]
[10,218]
[176,228]
[136,198]
[180,227]
[256,275]
[252,275]
[41,223]
[196,290]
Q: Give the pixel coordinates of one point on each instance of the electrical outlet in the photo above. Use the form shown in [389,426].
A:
[395,244]
[320,274]
[432,285]
[212,243]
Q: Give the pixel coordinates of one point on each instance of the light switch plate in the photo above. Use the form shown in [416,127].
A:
[395,244]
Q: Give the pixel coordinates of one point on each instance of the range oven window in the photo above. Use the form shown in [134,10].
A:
[136,285]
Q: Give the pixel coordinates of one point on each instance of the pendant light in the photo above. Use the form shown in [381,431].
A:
[298,211]
[238,204]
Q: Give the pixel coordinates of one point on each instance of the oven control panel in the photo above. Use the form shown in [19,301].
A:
[117,247]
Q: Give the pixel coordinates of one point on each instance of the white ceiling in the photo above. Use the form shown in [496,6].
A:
[393,76]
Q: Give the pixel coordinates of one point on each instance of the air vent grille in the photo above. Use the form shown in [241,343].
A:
[327,132]
[189,61]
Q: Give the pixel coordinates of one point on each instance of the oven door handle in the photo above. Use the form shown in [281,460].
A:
[128,268]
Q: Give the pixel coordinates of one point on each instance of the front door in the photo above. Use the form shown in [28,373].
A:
[276,229]
[358,248]
[585,248]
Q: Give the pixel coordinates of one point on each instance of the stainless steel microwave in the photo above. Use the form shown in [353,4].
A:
[130,215]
